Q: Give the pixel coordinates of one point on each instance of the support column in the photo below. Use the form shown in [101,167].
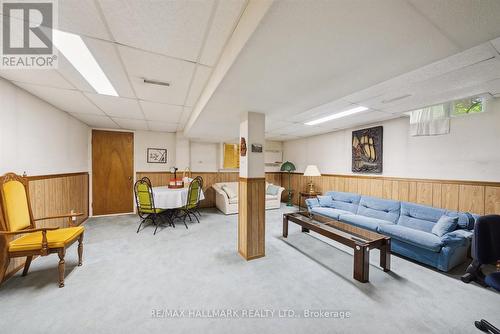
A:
[252,187]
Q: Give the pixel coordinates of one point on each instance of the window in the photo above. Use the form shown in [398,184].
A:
[231,156]
[430,121]
[470,105]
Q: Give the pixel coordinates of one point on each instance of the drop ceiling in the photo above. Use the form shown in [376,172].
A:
[305,60]
[309,59]
[172,41]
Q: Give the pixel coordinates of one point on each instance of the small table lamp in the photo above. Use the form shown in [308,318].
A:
[312,170]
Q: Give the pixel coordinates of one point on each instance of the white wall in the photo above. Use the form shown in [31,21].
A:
[182,151]
[274,146]
[149,139]
[470,152]
[204,157]
[37,138]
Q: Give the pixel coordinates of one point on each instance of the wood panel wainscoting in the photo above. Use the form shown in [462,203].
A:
[52,195]
[209,178]
[471,196]
[251,217]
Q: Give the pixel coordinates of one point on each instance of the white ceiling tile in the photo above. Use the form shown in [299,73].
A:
[463,22]
[496,44]
[200,79]
[162,126]
[142,65]
[117,106]
[174,28]
[281,137]
[161,111]
[186,113]
[81,17]
[69,72]
[49,78]
[108,58]
[131,124]
[402,85]
[274,124]
[225,19]
[493,86]
[71,101]
[96,121]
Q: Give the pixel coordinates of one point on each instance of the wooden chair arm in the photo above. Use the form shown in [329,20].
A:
[42,229]
[45,244]
[69,215]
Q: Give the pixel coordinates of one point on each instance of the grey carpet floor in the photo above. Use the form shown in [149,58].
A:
[140,283]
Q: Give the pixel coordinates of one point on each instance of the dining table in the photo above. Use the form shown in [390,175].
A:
[171,198]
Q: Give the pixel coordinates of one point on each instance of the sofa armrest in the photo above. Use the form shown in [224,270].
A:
[280,192]
[311,203]
[220,194]
[456,238]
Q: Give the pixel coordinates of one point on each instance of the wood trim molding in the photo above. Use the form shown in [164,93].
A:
[409,179]
[54,176]
[195,172]
[476,197]
[251,179]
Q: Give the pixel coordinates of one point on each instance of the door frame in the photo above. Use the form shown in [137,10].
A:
[91,174]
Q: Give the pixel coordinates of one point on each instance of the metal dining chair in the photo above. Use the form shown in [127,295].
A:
[145,205]
[193,199]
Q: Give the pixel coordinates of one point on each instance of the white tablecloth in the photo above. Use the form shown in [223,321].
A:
[167,198]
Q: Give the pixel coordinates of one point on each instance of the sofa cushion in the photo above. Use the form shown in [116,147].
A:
[465,220]
[419,217]
[344,201]
[326,201]
[414,237]
[271,197]
[272,189]
[329,212]
[444,225]
[378,208]
[233,200]
[364,222]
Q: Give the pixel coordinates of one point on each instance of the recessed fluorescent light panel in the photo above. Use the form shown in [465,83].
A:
[79,55]
[337,115]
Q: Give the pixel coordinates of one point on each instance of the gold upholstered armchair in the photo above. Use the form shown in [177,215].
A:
[16,219]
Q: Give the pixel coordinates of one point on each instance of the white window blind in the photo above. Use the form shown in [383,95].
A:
[430,121]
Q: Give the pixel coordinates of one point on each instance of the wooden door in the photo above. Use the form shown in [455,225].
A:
[112,172]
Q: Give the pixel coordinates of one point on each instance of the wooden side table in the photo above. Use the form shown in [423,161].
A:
[306,195]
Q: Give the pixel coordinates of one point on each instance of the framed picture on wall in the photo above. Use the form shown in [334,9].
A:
[367,150]
[157,155]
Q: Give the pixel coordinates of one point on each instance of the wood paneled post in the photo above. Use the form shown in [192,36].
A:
[252,188]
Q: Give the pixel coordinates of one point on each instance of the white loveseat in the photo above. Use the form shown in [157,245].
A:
[230,205]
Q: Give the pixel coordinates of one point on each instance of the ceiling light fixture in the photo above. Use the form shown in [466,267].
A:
[156,82]
[79,55]
[341,114]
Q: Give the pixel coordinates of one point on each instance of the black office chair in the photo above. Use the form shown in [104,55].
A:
[486,327]
[485,250]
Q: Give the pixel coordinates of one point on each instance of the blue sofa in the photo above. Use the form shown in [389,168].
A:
[408,224]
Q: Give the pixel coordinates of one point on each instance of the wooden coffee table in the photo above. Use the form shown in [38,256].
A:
[359,239]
